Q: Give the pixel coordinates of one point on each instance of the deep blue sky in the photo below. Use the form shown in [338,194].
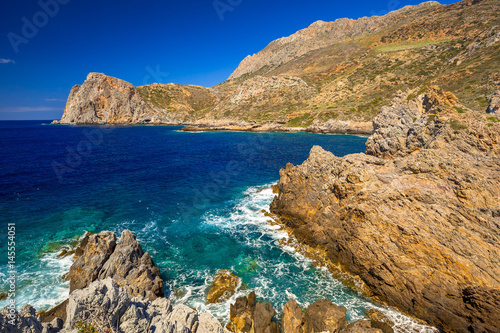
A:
[133,40]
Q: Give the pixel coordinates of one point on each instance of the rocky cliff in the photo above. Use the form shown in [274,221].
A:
[342,71]
[416,218]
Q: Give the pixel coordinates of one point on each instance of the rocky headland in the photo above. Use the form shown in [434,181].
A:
[331,77]
[416,219]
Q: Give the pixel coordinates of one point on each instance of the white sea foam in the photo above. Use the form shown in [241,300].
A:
[247,217]
[41,284]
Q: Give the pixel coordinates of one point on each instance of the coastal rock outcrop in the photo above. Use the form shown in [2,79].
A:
[321,76]
[417,217]
[103,99]
[248,315]
[124,261]
[334,126]
[223,287]
[104,304]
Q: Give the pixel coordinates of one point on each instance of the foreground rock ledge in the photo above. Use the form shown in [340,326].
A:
[418,219]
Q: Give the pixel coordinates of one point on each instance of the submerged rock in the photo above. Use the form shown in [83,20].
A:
[416,219]
[223,287]
[376,315]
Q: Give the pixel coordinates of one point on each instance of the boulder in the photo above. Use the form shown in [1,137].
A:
[494,105]
[248,316]
[324,316]
[223,287]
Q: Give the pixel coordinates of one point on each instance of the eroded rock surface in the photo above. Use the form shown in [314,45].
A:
[104,304]
[223,287]
[418,218]
[494,105]
[124,261]
[249,316]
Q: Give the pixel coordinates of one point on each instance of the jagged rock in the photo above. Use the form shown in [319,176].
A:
[104,304]
[55,326]
[59,311]
[418,226]
[101,303]
[223,287]
[130,266]
[103,99]
[361,326]
[87,267]
[324,316]
[208,324]
[248,316]
[401,127]
[292,318]
[376,315]
[25,321]
[125,262]
[494,105]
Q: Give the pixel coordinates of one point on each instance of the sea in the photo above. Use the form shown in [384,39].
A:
[197,203]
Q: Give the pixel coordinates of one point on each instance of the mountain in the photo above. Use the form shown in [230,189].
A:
[341,71]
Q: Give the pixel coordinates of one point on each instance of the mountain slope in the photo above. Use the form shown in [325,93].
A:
[341,71]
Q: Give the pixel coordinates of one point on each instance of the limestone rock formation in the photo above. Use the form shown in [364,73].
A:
[494,105]
[292,318]
[323,316]
[103,99]
[104,304]
[223,287]
[249,316]
[418,219]
[87,267]
[341,127]
[316,36]
[124,261]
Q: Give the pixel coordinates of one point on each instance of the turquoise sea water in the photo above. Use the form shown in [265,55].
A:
[194,200]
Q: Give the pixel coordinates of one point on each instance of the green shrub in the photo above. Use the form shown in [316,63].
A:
[456,125]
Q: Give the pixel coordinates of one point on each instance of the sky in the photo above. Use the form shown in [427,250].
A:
[47,46]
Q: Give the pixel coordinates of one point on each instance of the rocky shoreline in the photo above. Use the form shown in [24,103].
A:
[416,218]
[331,127]
[115,287]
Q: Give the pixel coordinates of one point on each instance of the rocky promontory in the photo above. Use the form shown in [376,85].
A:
[416,218]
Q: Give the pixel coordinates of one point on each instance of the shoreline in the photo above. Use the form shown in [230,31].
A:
[345,128]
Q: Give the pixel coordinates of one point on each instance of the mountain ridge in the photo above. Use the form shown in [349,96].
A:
[340,71]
